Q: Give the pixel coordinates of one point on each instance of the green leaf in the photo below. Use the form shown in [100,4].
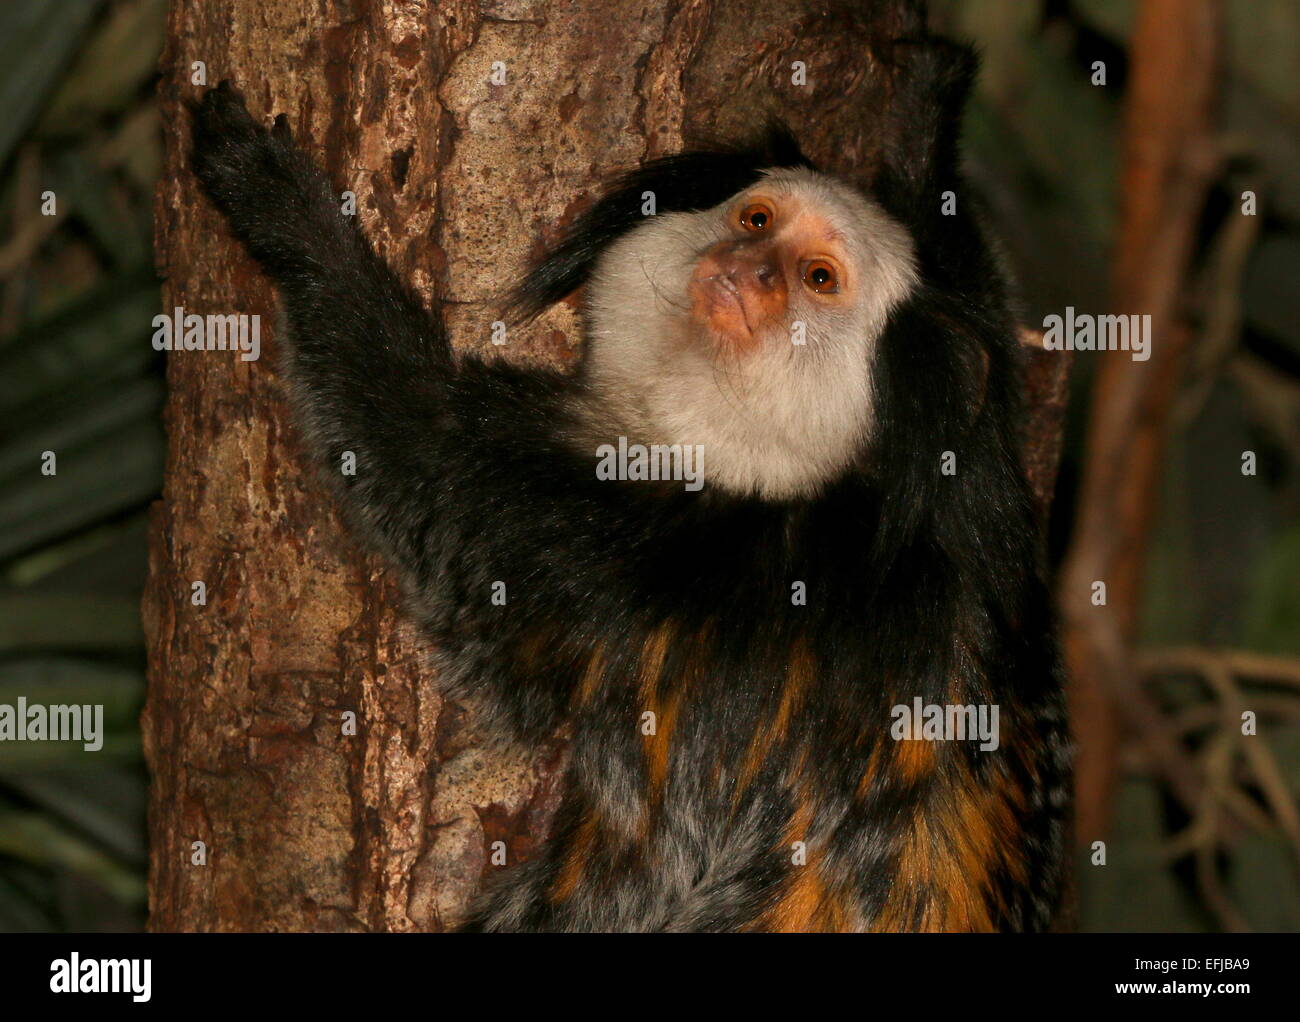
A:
[136,402]
[102,337]
[115,473]
[67,621]
[29,569]
[106,804]
[37,39]
[118,60]
[101,208]
[35,838]
[69,680]
[19,912]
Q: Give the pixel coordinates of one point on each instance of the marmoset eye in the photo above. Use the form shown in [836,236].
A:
[757,216]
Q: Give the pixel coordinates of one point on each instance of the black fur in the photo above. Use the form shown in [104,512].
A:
[773,719]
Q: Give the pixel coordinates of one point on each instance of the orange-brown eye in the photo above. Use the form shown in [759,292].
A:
[757,216]
[821,276]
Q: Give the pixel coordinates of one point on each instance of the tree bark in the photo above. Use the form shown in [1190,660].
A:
[458,180]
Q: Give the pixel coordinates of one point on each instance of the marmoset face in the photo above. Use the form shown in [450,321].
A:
[750,328]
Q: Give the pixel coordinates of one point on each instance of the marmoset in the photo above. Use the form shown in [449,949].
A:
[769,554]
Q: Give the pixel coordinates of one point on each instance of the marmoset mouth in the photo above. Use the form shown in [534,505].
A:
[719,304]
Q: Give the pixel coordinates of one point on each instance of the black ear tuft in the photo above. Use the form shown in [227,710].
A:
[932,79]
[921,161]
[778,146]
[687,182]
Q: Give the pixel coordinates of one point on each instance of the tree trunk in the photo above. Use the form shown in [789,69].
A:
[457,181]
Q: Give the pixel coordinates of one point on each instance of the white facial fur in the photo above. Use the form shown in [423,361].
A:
[782,420]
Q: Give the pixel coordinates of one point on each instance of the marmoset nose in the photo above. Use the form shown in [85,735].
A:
[765,274]
[746,265]
[738,290]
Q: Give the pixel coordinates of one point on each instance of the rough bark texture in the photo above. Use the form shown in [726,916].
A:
[458,180]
